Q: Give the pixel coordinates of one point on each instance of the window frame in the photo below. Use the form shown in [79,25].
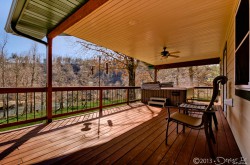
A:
[246,36]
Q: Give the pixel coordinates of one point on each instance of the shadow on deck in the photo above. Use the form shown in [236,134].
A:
[132,134]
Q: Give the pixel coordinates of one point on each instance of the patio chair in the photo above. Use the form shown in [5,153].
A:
[196,122]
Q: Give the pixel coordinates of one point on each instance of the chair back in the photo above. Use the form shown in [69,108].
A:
[217,80]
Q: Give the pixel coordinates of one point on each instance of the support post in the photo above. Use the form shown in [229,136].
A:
[99,74]
[49,81]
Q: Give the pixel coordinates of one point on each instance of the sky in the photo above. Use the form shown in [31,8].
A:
[17,44]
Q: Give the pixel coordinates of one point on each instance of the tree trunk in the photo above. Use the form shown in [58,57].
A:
[3,70]
[131,72]
[177,77]
[191,75]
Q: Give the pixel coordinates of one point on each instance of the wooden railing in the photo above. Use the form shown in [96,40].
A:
[25,105]
[202,93]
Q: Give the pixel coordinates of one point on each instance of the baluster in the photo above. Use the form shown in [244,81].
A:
[26,105]
[104,95]
[119,95]
[77,100]
[81,99]
[109,97]
[17,107]
[113,96]
[100,99]
[91,102]
[7,108]
[67,102]
[128,96]
[96,98]
[55,110]
[41,110]
[86,98]
[61,102]
[34,105]
[72,107]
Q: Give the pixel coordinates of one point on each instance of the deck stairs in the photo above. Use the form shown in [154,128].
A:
[158,101]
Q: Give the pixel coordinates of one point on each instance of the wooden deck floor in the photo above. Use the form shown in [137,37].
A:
[125,135]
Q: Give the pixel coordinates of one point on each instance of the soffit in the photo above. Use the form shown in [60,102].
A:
[141,28]
[38,17]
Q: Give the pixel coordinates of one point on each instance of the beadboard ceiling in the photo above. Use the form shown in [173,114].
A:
[140,28]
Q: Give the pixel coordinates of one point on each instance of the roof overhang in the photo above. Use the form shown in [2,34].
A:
[36,18]
[140,29]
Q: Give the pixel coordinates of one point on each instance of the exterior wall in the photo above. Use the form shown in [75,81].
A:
[238,116]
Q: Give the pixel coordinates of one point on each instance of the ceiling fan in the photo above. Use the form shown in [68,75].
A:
[166,53]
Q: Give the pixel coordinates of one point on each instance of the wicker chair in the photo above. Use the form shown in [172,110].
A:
[196,122]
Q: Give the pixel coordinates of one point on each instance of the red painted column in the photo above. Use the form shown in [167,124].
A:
[49,80]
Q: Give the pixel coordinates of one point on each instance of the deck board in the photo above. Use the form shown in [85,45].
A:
[132,134]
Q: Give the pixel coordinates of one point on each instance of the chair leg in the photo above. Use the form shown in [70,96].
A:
[211,132]
[210,148]
[210,129]
[167,132]
[215,121]
[177,128]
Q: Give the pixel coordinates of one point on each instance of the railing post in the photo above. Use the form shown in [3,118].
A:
[128,96]
[100,103]
[49,81]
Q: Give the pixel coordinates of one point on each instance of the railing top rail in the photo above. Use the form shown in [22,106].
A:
[22,90]
[43,89]
[204,87]
[93,88]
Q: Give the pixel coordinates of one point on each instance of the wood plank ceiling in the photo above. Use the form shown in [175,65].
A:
[141,28]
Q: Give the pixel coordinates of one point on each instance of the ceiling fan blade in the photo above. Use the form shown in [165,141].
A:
[174,56]
[174,52]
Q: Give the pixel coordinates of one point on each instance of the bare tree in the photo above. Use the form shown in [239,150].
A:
[121,60]
[143,74]
[16,61]
[33,53]
[177,76]
[3,62]
[3,59]
[191,75]
[34,59]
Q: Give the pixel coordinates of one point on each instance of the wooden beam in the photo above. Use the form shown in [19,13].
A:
[49,80]
[189,63]
[85,10]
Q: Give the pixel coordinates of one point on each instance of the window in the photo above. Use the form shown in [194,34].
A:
[242,60]
[242,70]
